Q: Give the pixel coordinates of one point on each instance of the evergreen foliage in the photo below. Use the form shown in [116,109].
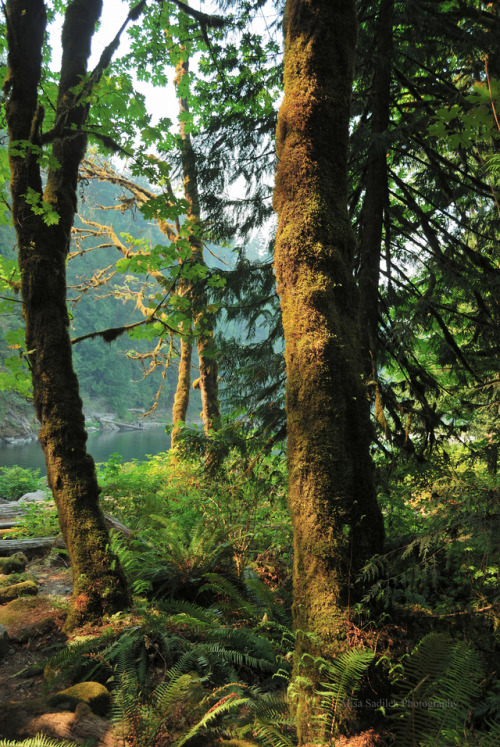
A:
[343,678]
[440,682]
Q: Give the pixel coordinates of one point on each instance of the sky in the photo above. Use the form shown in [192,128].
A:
[113,15]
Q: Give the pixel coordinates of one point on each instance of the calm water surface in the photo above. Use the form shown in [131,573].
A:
[130,444]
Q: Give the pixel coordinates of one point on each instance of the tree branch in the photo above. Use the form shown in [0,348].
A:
[205,20]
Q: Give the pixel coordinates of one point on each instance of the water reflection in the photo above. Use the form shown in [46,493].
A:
[130,444]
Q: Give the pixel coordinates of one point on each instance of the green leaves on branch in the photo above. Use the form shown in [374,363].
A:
[473,126]
[39,206]
[20,149]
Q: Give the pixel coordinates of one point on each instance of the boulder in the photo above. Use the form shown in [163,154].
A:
[37,629]
[95,695]
[23,589]
[13,564]
[37,495]
[25,612]
[82,726]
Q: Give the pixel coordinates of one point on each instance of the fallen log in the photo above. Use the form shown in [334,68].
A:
[33,545]
[9,523]
[8,510]
[14,509]
[29,545]
[120,426]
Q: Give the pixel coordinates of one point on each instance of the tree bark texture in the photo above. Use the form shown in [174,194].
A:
[99,583]
[337,523]
[202,318]
[375,206]
[182,391]
[376,191]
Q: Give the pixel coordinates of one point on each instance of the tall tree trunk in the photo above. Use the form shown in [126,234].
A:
[376,192]
[337,523]
[99,582]
[203,319]
[375,203]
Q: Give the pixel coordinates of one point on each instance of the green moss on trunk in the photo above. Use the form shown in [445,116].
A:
[99,583]
[337,523]
[203,319]
[181,399]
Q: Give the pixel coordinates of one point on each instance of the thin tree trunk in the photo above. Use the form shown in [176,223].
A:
[375,206]
[203,319]
[376,193]
[337,523]
[99,582]
[181,399]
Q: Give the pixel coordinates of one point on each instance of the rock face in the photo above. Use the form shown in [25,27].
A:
[18,428]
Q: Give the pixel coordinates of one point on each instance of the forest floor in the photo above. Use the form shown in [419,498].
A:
[34,625]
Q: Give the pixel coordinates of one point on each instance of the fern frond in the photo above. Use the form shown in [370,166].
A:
[439,685]
[458,688]
[222,586]
[226,705]
[265,599]
[267,720]
[192,611]
[344,676]
[492,738]
[40,740]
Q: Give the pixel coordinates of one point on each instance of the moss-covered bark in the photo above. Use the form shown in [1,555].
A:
[203,319]
[337,523]
[99,583]
[182,391]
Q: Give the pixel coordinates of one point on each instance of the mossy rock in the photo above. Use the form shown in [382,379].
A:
[23,589]
[16,578]
[95,695]
[26,611]
[45,626]
[13,564]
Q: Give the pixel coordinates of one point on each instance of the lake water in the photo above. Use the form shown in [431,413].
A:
[130,444]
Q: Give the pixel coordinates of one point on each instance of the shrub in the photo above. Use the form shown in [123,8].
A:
[16,481]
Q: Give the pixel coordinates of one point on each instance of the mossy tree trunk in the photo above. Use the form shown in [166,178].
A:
[337,523]
[202,316]
[182,391]
[99,583]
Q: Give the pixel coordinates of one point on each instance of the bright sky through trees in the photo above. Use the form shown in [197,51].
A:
[114,13]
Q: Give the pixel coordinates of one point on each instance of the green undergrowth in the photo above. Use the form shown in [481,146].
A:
[180,671]
[206,656]
[16,481]
[442,547]
[186,522]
